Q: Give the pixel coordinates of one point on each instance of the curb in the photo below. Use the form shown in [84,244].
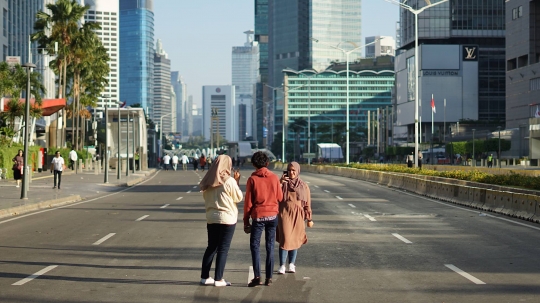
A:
[18,210]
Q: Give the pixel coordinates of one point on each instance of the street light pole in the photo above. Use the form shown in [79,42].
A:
[473,158]
[26,171]
[499,155]
[119,164]
[416,12]
[106,153]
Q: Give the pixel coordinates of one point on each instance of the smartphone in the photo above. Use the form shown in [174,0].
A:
[286,173]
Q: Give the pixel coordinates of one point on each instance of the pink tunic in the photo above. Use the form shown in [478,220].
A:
[291,231]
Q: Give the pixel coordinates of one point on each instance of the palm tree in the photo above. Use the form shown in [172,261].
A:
[60,27]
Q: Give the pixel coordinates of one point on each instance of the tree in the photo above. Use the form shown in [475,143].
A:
[493,145]
[297,126]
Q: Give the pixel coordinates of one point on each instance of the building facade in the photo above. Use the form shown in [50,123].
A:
[106,14]
[292,24]
[382,46]
[245,75]
[163,105]
[323,96]
[471,78]
[522,77]
[219,112]
[261,37]
[180,89]
[137,53]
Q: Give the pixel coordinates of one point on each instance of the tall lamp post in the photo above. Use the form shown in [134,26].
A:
[415,12]
[499,155]
[347,53]
[26,174]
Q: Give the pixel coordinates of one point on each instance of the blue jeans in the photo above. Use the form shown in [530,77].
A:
[257,228]
[283,256]
[219,242]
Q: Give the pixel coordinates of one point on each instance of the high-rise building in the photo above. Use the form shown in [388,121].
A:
[162,90]
[219,112]
[137,53]
[292,24]
[189,116]
[180,89]
[261,36]
[461,60]
[245,74]
[382,46]
[106,14]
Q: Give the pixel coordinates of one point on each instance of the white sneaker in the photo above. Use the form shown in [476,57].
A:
[292,268]
[207,281]
[222,283]
[281,270]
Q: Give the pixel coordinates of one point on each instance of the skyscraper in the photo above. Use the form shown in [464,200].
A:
[180,89]
[162,90]
[137,52]
[261,36]
[245,74]
[292,24]
[105,13]
[383,46]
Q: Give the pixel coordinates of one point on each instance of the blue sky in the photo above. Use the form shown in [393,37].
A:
[199,35]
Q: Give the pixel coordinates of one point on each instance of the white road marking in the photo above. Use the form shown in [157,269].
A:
[189,191]
[104,239]
[32,277]
[251,275]
[165,206]
[307,182]
[464,274]
[316,186]
[370,218]
[340,198]
[142,218]
[326,191]
[352,205]
[194,186]
[179,198]
[402,238]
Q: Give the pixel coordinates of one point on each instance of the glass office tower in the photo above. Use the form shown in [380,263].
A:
[261,36]
[137,53]
[466,22]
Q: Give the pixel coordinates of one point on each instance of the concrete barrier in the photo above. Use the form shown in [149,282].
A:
[421,187]
[507,201]
[462,196]
[479,197]
[536,217]
[431,189]
[524,206]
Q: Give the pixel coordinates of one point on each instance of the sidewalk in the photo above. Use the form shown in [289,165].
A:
[75,187]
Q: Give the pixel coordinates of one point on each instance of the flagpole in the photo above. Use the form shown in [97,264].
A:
[432,124]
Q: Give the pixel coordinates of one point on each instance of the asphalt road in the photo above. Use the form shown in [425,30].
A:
[369,244]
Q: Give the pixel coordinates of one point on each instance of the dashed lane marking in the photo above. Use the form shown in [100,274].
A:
[179,198]
[104,239]
[370,218]
[326,191]
[165,206]
[340,198]
[143,217]
[402,238]
[464,274]
[352,205]
[37,274]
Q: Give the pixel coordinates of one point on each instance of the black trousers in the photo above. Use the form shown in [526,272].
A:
[57,176]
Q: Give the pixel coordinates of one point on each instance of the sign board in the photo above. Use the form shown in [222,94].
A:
[309,155]
[13,60]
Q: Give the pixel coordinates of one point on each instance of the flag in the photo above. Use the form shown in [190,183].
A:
[537,113]
[433,104]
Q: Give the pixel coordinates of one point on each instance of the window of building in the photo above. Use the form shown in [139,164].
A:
[523,60]
[5,22]
[520,11]
[534,84]
[511,64]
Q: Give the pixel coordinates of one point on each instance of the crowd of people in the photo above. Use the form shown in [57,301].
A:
[278,206]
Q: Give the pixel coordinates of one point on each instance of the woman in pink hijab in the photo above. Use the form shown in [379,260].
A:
[294,211]
[221,194]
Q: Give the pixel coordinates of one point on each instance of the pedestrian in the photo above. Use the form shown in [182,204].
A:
[166,161]
[195,164]
[410,160]
[420,156]
[174,162]
[137,158]
[18,164]
[72,159]
[57,166]
[490,160]
[293,212]
[263,194]
[221,195]
[185,161]
[209,161]
[202,162]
